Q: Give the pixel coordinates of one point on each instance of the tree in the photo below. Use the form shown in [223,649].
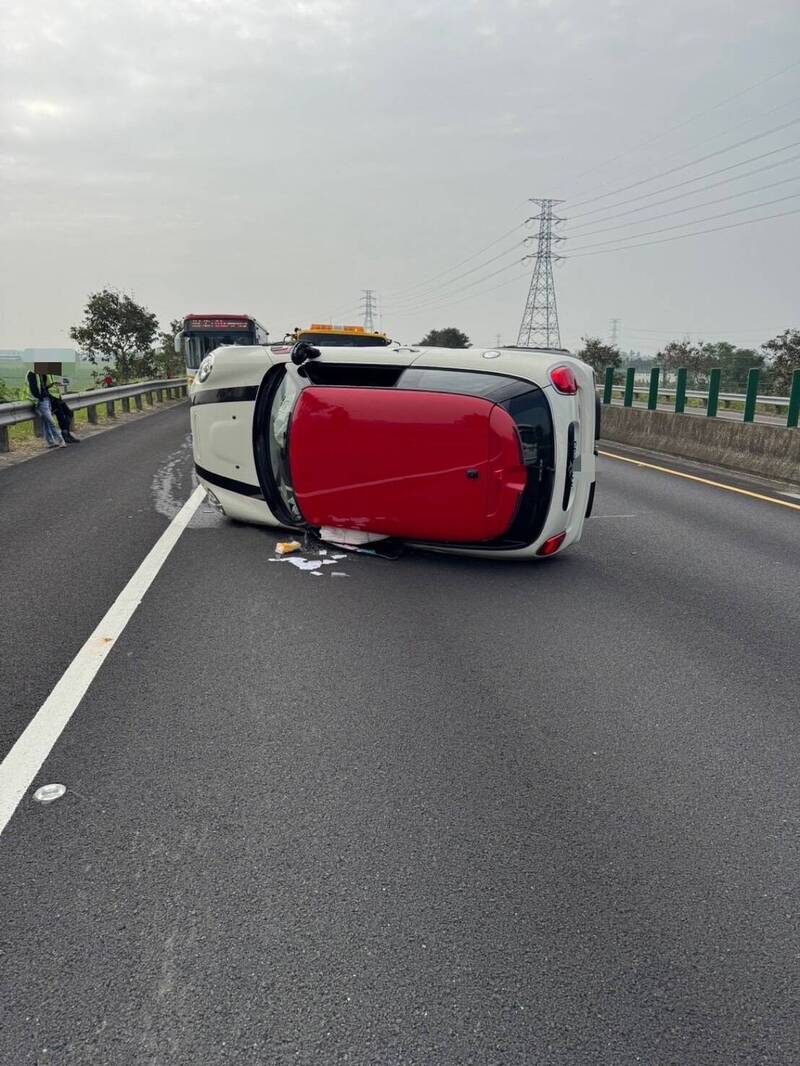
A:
[446,338]
[678,354]
[784,358]
[167,362]
[599,356]
[115,325]
[734,362]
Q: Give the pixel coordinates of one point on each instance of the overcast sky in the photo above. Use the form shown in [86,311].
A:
[276,157]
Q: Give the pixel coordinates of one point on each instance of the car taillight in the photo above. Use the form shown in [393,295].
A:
[551,546]
[564,380]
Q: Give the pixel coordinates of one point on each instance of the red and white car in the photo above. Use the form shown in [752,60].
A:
[486,452]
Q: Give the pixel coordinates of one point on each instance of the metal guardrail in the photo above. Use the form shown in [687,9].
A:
[710,398]
[15,413]
[698,394]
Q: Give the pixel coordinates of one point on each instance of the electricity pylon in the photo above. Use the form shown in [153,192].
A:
[539,326]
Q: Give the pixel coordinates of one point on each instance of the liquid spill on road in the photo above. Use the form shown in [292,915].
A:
[174,481]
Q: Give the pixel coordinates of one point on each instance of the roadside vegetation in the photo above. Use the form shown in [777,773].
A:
[122,337]
[777,358]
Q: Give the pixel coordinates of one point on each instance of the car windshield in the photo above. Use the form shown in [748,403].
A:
[279,418]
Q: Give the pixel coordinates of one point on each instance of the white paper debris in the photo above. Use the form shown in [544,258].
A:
[338,573]
[304,564]
[352,537]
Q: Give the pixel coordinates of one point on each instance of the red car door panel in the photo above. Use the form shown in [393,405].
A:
[416,465]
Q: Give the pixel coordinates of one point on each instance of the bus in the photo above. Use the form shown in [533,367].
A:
[339,336]
[201,334]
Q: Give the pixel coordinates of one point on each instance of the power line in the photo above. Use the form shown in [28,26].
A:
[469,258]
[640,244]
[732,129]
[690,181]
[445,284]
[463,299]
[688,121]
[694,207]
[682,195]
[694,222]
[427,300]
[695,329]
[696,233]
[448,302]
[691,163]
[604,251]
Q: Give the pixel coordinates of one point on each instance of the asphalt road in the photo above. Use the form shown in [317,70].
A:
[438,811]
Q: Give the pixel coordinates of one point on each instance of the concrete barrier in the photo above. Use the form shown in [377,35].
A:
[752,448]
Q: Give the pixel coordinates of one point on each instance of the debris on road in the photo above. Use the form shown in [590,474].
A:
[305,564]
[48,793]
[286,547]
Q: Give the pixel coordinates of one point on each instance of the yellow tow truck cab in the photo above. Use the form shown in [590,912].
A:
[340,336]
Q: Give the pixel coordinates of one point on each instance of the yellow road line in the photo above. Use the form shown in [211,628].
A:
[702,480]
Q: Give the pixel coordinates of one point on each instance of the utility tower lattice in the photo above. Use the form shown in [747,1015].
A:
[368,307]
[614,332]
[539,327]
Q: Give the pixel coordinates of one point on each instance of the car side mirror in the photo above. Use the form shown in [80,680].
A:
[303,351]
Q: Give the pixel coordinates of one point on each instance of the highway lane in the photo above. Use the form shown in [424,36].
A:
[74,525]
[438,811]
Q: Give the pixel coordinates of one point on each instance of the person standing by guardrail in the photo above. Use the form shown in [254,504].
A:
[39,386]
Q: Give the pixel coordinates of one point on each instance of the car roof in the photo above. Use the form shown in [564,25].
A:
[247,363]
[531,364]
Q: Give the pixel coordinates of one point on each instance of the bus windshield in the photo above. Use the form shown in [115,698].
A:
[199,344]
[201,334]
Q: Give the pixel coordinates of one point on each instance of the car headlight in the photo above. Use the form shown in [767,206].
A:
[205,368]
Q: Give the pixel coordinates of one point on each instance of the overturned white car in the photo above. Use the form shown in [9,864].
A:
[488,452]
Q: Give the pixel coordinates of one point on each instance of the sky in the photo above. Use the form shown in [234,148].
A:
[277,157]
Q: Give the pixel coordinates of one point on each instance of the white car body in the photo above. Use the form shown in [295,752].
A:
[223,405]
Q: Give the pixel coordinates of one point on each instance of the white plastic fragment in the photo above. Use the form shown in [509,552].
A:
[48,793]
[339,573]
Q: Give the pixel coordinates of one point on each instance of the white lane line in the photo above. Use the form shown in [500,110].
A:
[23,762]
[792,495]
